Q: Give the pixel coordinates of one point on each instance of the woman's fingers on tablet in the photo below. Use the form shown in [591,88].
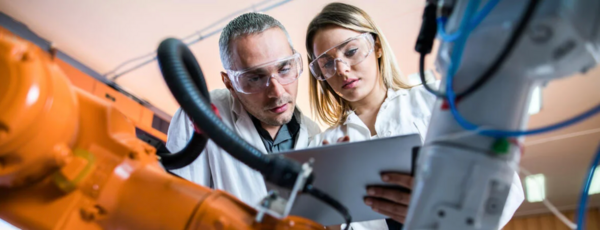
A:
[398,179]
[393,210]
[339,140]
[343,139]
[394,216]
[395,195]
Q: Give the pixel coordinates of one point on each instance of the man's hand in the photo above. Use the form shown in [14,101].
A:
[392,202]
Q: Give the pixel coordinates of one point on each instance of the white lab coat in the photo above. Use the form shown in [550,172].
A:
[404,111]
[215,168]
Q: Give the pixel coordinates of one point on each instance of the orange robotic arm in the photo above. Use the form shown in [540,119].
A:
[71,161]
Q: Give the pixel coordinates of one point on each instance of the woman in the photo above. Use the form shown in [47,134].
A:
[356,87]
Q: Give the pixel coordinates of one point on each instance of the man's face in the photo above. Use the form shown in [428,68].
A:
[275,104]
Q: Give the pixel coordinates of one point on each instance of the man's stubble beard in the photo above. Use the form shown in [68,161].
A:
[261,113]
[275,122]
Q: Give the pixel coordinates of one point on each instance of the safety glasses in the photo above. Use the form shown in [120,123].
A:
[350,52]
[255,79]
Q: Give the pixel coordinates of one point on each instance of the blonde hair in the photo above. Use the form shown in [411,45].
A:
[329,107]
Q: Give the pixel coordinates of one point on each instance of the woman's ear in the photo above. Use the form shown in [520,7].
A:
[378,50]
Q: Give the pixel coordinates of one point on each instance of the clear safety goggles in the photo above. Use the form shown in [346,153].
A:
[350,52]
[255,79]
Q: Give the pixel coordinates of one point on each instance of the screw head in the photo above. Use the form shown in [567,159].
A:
[441,213]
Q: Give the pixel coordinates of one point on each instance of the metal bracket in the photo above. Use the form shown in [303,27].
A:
[279,207]
[481,205]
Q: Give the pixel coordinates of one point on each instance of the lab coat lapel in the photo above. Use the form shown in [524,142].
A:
[245,127]
[302,139]
[354,120]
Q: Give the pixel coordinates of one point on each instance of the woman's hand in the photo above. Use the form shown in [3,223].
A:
[392,202]
[334,227]
[339,140]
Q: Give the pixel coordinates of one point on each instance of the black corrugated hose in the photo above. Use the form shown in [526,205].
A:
[197,143]
[187,155]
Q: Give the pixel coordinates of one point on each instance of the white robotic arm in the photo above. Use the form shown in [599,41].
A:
[462,182]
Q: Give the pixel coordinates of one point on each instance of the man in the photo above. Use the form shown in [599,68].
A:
[259,104]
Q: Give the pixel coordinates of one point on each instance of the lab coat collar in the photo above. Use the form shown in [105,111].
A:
[392,94]
[302,138]
[355,120]
[237,108]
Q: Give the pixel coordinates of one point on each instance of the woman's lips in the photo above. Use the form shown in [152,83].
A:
[280,109]
[350,84]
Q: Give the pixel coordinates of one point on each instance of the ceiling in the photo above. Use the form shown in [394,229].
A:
[103,34]
[564,156]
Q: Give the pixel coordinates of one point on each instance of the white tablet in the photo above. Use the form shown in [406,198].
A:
[345,170]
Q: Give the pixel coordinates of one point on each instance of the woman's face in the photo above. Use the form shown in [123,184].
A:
[353,83]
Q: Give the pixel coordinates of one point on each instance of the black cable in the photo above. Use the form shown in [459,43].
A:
[425,40]
[197,142]
[424,81]
[428,27]
[331,202]
[508,48]
[176,63]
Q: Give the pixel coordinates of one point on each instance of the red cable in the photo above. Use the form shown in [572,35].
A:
[215,110]
[514,141]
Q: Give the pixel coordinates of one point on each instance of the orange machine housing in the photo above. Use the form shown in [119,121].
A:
[69,160]
[141,116]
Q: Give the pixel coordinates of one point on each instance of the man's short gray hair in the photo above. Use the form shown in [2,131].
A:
[245,24]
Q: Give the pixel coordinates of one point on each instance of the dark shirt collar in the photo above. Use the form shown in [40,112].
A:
[292,127]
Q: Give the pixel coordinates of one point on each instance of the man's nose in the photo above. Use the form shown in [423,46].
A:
[275,89]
